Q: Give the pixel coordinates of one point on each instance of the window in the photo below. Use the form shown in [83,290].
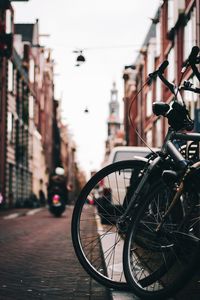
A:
[158,89]
[149,104]
[149,137]
[31,107]
[36,114]
[8,21]
[158,133]
[170,14]
[10,76]
[171,68]
[191,99]
[113,97]
[158,39]
[10,127]
[151,52]
[189,34]
[31,71]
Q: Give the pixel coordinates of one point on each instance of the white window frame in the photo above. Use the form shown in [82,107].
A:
[191,99]
[170,14]
[189,39]
[172,63]
[8,21]
[158,39]
[149,103]
[158,126]
[31,107]
[10,128]
[151,53]
[10,76]
[149,137]
[31,70]
[158,89]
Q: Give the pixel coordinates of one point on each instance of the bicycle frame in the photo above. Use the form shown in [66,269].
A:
[168,149]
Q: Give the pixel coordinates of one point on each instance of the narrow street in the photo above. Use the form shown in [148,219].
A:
[37,259]
[38,262]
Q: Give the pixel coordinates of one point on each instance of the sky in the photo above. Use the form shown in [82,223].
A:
[110,33]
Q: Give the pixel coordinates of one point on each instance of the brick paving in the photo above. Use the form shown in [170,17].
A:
[37,260]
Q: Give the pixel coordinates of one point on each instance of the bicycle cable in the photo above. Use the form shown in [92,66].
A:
[148,81]
[173,89]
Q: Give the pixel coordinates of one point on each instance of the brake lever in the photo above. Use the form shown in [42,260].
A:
[190,88]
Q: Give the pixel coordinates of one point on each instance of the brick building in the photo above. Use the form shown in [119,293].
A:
[174,31]
[27,103]
[33,141]
[6,37]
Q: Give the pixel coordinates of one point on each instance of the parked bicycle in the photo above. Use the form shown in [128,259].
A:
[154,200]
[161,250]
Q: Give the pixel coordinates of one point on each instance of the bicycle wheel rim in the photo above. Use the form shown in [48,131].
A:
[104,238]
[156,275]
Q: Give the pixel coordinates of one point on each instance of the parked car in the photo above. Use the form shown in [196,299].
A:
[128,152]
[113,190]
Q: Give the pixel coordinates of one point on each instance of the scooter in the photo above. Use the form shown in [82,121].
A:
[56,204]
[57,193]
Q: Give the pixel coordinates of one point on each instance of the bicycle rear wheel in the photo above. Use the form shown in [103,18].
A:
[158,263]
[97,239]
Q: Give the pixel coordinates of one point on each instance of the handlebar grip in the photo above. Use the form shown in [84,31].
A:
[193,60]
[163,66]
[193,55]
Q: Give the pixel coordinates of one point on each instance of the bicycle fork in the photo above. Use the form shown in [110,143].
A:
[140,192]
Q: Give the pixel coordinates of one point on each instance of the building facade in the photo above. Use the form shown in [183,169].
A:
[174,31]
[27,117]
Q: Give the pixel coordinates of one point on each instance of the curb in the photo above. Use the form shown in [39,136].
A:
[116,295]
[22,213]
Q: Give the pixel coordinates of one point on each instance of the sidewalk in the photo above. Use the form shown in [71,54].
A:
[190,291]
[11,213]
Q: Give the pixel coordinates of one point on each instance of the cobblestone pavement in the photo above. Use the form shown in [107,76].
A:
[37,259]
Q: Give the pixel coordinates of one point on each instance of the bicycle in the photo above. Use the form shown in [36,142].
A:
[108,238]
[161,249]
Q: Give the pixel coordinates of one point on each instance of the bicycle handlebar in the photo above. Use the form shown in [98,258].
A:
[163,66]
[159,72]
[187,86]
[178,115]
[193,60]
[193,55]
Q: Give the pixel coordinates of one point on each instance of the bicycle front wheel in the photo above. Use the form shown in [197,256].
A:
[157,263]
[97,239]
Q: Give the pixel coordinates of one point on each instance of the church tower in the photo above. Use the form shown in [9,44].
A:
[114,118]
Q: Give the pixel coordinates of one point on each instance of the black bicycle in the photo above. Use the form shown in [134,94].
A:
[114,197]
[161,249]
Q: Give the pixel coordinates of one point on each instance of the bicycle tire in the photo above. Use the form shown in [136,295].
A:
[157,273]
[106,239]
